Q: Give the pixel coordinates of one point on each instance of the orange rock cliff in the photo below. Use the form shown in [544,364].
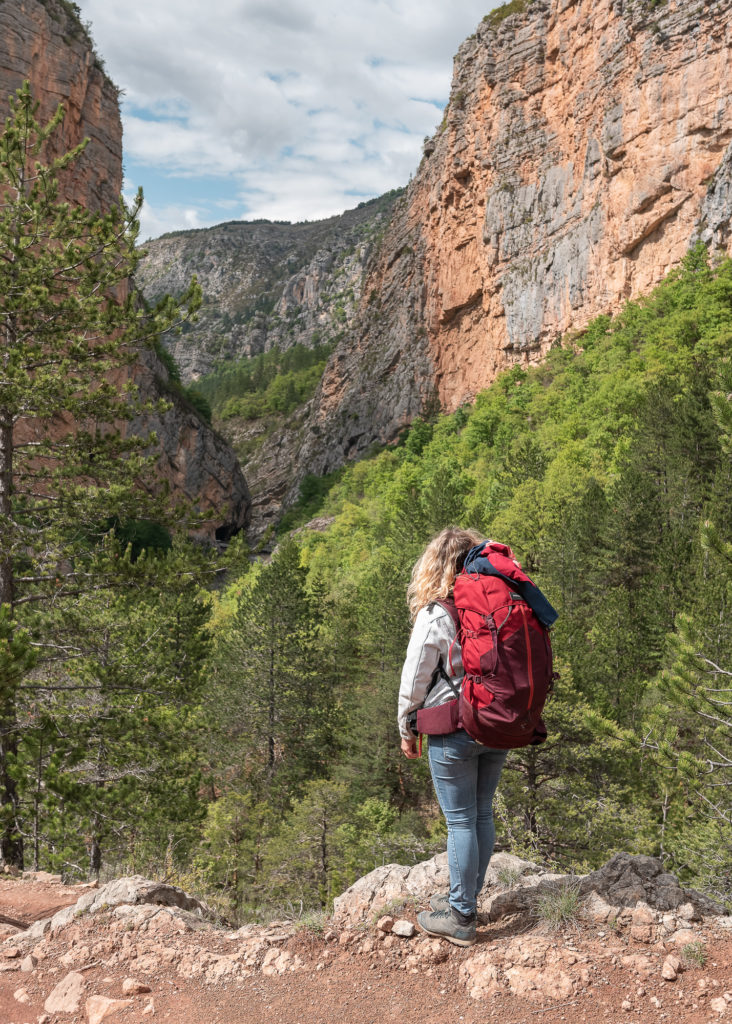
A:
[585,146]
[44,41]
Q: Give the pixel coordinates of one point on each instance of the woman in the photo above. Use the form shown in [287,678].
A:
[465,773]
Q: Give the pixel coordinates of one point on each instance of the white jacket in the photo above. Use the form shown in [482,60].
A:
[432,637]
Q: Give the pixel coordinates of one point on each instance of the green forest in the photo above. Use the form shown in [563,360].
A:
[265,384]
[239,738]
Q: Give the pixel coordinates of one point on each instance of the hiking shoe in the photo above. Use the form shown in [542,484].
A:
[448,924]
[440,901]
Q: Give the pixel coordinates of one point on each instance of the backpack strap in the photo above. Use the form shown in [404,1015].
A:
[448,604]
[478,561]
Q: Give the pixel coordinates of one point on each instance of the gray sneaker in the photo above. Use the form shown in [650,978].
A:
[440,901]
[448,924]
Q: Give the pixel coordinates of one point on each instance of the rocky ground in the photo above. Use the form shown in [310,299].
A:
[638,948]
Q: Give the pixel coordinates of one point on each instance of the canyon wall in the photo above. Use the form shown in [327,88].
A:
[585,145]
[45,42]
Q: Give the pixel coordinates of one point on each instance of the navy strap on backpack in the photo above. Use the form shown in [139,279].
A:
[475,562]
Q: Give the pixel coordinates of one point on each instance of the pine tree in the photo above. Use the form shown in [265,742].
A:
[691,729]
[272,694]
[70,332]
[116,734]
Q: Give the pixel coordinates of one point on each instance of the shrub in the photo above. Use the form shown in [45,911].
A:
[559,907]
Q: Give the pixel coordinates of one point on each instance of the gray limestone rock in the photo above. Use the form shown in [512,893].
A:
[715,222]
[132,890]
[514,886]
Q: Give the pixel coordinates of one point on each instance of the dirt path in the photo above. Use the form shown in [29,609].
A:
[27,900]
[359,980]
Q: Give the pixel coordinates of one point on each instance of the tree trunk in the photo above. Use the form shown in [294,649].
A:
[271,715]
[7,595]
[37,810]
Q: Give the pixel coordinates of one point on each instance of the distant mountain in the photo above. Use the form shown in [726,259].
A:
[266,284]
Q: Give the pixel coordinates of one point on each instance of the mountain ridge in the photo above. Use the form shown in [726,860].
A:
[267,284]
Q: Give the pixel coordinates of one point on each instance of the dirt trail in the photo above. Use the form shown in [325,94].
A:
[352,977]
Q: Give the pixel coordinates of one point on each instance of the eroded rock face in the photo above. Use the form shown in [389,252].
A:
[197,462]
[585,145]
[45,42]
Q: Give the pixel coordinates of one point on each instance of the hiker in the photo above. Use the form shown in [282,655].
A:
[465,773]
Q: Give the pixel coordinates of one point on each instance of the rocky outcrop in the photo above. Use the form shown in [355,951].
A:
[514,886]
[135,945]
[44,41]
[198,464]
[129,891]
[584,146]
[266,285]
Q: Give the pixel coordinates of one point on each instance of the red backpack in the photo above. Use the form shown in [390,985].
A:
[501,620]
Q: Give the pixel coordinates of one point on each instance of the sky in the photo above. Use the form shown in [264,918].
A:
[287,109]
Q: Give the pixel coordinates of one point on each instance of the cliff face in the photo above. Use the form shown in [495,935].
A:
[266,285]
[44,41]
[196,461]
[584,147]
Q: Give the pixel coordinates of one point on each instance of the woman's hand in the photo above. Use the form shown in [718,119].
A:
[409,748]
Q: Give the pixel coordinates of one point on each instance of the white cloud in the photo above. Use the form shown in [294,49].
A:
[294,103]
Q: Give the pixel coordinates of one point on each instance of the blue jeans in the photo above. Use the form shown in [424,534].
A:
[465,775]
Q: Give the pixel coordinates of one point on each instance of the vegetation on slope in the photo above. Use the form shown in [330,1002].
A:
[499,14]
[244,741]
[191,394]
[102,646]
[269,383]
[601,468]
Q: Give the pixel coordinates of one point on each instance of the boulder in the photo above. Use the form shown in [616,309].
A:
[626,879]
[131,890]
[522,899]
[388,885]
[66,996]
[98,1008]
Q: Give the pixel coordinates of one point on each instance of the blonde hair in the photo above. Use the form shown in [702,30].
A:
[434,572]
